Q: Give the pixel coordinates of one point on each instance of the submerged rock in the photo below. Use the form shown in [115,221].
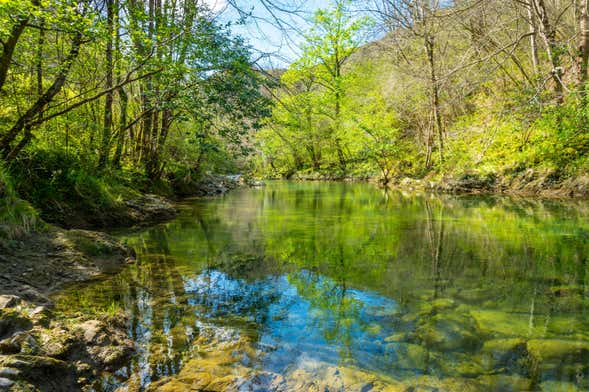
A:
[511,354]
[559,350]
[558,386]
[450,384]
[457,364]
[407,356]
[448,331]
[503,382]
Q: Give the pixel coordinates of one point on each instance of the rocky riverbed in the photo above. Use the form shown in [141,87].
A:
[44,350]
[38,350]
[444,347]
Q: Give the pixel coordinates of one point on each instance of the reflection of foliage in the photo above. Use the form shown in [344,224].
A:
[308,266]
[342,311]
[356,234]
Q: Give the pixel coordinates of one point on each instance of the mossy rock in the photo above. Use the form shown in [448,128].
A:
[506,383]
[509,354]
[449,384]
[449,331]
[495,323]
[397,337]
[407,356]
[457,364]
[57,342]
[559,386]
[559,350]
[11,321]
[224,384]
[437,305]
[197,380]
[374,329]
[47,374]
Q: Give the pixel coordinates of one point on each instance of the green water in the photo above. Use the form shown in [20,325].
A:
[346,287]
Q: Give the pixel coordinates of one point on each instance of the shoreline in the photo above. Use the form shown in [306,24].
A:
[530,183]
[39,350]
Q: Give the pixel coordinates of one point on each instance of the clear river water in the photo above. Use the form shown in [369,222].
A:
[346,287]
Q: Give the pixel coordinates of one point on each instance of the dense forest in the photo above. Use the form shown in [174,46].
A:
[479,89]
[103,98]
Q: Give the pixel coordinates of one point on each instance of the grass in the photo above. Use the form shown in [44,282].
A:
[17,217]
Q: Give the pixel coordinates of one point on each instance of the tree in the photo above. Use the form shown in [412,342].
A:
[332,40]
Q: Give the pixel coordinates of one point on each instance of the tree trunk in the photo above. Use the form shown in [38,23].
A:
[584,49]
[108,103]
[533,35]
[124,100]
[435,95]
[552,50]
[25,120]
[9,45]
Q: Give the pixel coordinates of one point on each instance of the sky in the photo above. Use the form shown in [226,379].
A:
[272,27]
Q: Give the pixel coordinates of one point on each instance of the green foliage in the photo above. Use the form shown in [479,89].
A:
[17,217]
[57,183]
[373,112]
[85,128]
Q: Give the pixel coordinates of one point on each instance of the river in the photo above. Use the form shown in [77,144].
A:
[340,286]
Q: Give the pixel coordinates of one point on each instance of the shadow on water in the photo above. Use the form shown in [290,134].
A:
[400,286]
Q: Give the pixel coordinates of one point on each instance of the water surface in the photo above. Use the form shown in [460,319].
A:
[339,286]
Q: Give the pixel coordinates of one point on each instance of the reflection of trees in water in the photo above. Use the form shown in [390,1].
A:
[523,256]
[159,316]
[341,312]
[434,234]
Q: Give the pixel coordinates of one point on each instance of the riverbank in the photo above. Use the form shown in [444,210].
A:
[545,183]
[40,350]
[532,182]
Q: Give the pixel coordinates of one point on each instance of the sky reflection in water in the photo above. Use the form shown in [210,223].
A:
[345,274]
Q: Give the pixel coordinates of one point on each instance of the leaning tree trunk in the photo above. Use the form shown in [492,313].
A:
[9,45]
[24,122]
[548,34]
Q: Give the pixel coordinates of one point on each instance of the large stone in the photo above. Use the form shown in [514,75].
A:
[9,373]
[5,383]
[8,301]
[47,374]
[559,350]
[509,354]
[407,356]
[12,322]
[448,331]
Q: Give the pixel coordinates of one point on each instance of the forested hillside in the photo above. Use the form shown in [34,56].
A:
[492,93]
